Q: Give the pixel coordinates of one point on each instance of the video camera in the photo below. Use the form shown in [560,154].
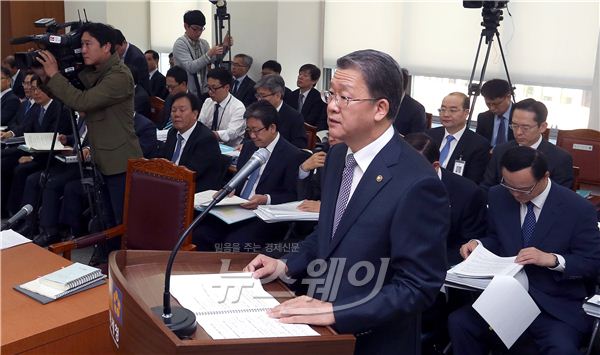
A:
[485,4]
[66,48]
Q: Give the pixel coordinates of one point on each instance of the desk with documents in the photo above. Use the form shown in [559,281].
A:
[74,324]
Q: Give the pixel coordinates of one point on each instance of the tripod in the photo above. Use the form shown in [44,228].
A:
[491,21]
[219,19]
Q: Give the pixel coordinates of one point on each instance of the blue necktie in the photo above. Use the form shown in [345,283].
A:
[236,84]
[41,116]
[177,152]
[446,149]
[250,184]
[528,225]
[27,106]
[344,194]
[501,136]
[300,102]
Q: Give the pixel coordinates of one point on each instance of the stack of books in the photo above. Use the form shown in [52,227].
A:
[592,306]
[66,281]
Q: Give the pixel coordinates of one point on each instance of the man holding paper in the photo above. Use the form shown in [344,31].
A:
[553,232]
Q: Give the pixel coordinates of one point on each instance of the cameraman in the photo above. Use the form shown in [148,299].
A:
[108,105]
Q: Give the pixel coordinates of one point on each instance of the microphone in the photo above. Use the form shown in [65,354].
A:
[179,320]
[25,39]
[23,212]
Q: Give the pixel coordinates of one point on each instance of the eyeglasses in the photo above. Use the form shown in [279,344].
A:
[238,65]
[449,110]
[327,96]
[259,97]
[254,131]
[496,102]
[171,87]
[213,89]
[514,189]
[34,88]
[197,28]
[524,128]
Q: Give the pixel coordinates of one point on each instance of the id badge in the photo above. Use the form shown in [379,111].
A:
[459,167]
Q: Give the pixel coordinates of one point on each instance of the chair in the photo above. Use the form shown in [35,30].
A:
[159,205]
[546,135]
[584,147]
[156,106]
[311,135]
[429,119]
[576,183]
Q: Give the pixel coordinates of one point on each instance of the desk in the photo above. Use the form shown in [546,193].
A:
[74,324]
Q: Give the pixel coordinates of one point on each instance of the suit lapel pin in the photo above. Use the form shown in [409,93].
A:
[379,178]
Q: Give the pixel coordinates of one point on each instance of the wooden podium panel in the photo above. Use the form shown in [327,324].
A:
[137,284]
[74,324]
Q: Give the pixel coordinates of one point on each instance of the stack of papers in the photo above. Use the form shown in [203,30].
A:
[204,198]
[228,210]
[592,306]
[41,142]
[285,212]
[10,238]
[229,151]
[161,135]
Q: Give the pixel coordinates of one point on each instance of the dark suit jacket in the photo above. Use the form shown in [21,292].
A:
[245,92]
[485,125]
[471,148]
[560,164]
[567,226]
[17,86]
[22,115]
[55,112]
[395,222]
[411,117]
[314,109]
[136,61]
[200,154]
[291,126]
[467,213]
[165,114]
[145,130]
[9,106]
[141,101]
[158,85]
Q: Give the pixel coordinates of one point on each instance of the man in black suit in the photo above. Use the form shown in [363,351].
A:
[290,122]
[133,57]
[497,96]
[411,116]
[16,74]
[26,105]
[193,145]
[273,183]
[462,151]
[176,81]
[528,124]
[141,98]
[273,67]
[243,86]
[158,85]
[306,99]
[9,102]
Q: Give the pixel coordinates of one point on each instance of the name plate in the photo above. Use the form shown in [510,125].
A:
[585,147]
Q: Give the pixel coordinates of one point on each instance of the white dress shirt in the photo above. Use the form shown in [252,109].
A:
[186,135]
[231,119]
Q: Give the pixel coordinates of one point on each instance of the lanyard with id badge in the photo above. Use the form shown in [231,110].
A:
[459,166]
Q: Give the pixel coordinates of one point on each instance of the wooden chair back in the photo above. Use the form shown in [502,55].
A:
[584,147]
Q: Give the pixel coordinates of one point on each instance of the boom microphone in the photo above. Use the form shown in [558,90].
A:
[26,39]
[23,212]
[258,158]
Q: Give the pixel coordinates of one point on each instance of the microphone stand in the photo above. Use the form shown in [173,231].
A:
[181,320]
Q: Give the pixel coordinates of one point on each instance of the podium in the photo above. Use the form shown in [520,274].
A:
[136,284]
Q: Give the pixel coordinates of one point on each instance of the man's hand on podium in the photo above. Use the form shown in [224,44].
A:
[305,310]
[263,266]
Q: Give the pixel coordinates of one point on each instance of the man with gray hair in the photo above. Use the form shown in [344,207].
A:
[377,257]
[243,86]
[291,123]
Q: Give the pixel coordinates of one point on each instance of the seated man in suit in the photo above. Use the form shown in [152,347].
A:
[273,67]
[273,183]
[494,123]
[306,99]
[462,151]
[290,122]
[27,103]
[141,98]
[17,75]
[9,102]
[528,124]
[193,145]
[158,84]
[222,112]
[242,86]
[176,81]
[553,232]
[411,117]
[133,58]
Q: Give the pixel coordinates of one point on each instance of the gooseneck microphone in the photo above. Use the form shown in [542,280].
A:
[23,212]
[179,320]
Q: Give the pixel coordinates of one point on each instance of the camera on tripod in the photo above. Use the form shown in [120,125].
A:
[65,48]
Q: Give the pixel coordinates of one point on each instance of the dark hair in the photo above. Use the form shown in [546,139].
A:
[194,17]
[178,73]
[273,65]
[171,55]
[522,157]
[154,54]
[424,144]
[10,60]
[381,73]
[405,79]
[263,111]
[466,104]
[495,88]
[220,74]
[315,73]
[119,38]
[272,82]
[40,84]
[102,33]
[531,105]
[194,102]
[6,72]
[245,58]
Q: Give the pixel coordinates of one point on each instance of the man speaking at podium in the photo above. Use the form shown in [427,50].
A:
[377,257]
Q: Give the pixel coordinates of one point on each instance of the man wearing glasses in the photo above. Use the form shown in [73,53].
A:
[528,124]
[222,112]
[176,82]
[493,124]
[194,54]
[462,151]
[243,86]
[553,232]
